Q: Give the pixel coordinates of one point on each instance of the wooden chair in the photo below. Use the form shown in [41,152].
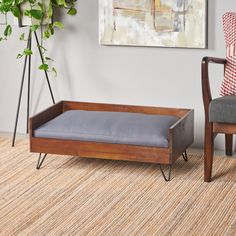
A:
[220,117]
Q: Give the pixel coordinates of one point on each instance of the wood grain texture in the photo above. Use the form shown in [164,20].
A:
[68,105]
[208,151]
[206,88]
[212,129]
[181,130]
[224,128]
[229,144]
[45,116]
[101,150]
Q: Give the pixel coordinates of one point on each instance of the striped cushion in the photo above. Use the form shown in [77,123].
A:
[228,86]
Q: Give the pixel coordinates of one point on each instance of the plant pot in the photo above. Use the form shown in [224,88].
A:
[26,20]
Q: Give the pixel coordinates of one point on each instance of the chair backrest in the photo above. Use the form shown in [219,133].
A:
[228,86]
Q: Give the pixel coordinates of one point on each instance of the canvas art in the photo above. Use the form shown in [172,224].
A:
[163,23]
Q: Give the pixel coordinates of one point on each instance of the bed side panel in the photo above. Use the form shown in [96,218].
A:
[181,135]
[67,105]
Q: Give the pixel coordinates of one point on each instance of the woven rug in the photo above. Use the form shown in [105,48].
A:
[79,196]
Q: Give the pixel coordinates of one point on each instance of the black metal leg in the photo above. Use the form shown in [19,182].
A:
[20,96]
[169,173]
[28,96]
[40,160]
[46,74]
[185,156]
[29,45]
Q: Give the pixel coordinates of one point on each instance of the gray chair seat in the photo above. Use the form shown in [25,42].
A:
[109,127]
[223,110]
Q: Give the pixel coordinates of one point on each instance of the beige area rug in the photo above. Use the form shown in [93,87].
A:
[76,196]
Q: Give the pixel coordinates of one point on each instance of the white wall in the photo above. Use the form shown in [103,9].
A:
[88,71]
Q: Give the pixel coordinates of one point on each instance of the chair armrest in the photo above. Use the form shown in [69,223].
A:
[45,116]
[206,89]
[214,60]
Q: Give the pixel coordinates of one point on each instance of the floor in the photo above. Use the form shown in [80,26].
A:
[80,196]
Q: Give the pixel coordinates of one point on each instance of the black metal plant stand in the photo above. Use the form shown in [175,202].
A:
[28,58]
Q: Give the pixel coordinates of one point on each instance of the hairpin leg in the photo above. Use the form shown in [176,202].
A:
[169,174]
[40,160]
[185,156]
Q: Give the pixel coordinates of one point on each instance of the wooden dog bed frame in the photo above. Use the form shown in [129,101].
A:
[180,136]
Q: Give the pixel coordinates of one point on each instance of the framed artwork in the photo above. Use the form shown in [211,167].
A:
[160,23]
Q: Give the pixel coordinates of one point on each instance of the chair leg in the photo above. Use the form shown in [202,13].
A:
[229,144]
[208,151]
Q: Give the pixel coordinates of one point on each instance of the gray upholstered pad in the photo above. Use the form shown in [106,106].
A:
[223,110]
[109,127]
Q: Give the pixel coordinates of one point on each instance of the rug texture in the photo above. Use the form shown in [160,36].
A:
[79,196]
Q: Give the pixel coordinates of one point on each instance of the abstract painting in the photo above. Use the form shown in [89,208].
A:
[162,23]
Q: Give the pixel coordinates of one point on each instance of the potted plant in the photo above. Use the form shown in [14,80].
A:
[37,14]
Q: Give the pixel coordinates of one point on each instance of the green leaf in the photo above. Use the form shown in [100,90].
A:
[18,2]
[43,49]
[16,11]
[43,67]
[32,1]
[27,52]
[54,71]
[72,11]
[48,59]
[19,56]
[27,13]
[7,2]
[50,11]
[34,27]
[7,31]
[40,5]
[61,3]
[1,38]
[22,37]
[51,29]
[37,14]
[58,24]
[46,34]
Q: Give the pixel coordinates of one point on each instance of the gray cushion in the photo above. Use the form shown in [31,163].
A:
[109,127]
[223,110]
